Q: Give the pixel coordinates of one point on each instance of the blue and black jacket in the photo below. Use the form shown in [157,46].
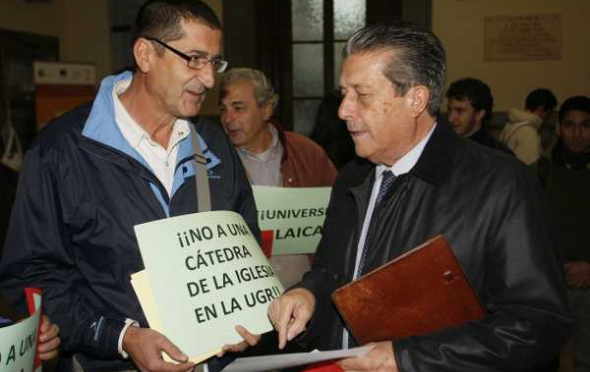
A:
[82,190]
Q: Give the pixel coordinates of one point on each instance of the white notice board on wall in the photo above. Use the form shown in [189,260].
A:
[523,37]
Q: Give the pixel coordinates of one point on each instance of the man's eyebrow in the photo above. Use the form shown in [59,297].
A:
[362,86]
[355,87]
[202,53]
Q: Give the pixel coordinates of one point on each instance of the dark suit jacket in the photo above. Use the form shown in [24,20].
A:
[490,209]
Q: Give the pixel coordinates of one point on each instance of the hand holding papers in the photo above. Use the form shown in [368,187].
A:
[145,346]
[379,358]
[205,274]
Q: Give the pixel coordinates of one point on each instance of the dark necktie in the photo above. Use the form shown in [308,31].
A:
[387,180]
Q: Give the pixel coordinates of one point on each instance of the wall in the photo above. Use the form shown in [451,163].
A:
[83,29]
[459,24]
[81,26]
[85,34]
[38,18]
[210,105]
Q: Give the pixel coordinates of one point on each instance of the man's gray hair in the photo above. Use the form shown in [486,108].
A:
[417,57]
[263,90]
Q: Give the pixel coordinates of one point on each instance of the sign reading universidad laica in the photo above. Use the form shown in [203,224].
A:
[291,218]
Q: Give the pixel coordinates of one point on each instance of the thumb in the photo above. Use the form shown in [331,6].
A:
[349,364]
[172,350]
[295,328]
[298,322]
[44,324]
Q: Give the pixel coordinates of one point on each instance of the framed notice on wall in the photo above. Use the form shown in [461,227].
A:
[522,37]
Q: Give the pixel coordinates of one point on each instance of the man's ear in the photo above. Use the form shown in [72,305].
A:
[417,99]
[541,113]
[143,53]
[267,111]
[479,115]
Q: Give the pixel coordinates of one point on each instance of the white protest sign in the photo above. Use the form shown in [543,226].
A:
[206,274]
[19,343]
[291,218]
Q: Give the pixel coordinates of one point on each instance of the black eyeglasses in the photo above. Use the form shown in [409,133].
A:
[196,62]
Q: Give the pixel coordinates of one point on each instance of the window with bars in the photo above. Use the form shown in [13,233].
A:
[319,31]
[298,44]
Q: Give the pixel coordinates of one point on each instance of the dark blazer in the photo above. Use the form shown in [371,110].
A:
[490,209]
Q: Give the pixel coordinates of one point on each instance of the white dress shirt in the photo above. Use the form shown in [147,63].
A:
[162,161]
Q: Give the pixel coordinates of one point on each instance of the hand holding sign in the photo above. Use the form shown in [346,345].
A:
[249,340]
[49,339]
[19,341]
[205,274]
[145,347]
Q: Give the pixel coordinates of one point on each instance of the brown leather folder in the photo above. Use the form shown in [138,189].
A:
[419,292]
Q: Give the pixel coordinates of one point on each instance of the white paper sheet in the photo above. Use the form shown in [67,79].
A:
[269,362]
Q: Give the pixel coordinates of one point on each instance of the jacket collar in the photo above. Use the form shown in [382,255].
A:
[102,127]
[433,166]
[436,161]
[282,139]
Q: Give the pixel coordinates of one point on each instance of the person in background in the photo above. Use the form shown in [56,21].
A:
[521,133]
[270,155]
[565,174]
[470,106]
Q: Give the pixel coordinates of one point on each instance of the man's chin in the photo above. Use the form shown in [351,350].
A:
[236,141]
[191,110]
[459,130]
[360,153]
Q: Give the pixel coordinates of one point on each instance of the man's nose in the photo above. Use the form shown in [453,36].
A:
[207,75]
[227,117]
[452,117]
[346,109]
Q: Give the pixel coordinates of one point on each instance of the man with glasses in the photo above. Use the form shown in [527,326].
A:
[124,159]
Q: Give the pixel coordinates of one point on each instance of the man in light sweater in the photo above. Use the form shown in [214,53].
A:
[521,133]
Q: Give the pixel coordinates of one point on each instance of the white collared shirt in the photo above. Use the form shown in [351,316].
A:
[162,161]
[264,168]
[402,166]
